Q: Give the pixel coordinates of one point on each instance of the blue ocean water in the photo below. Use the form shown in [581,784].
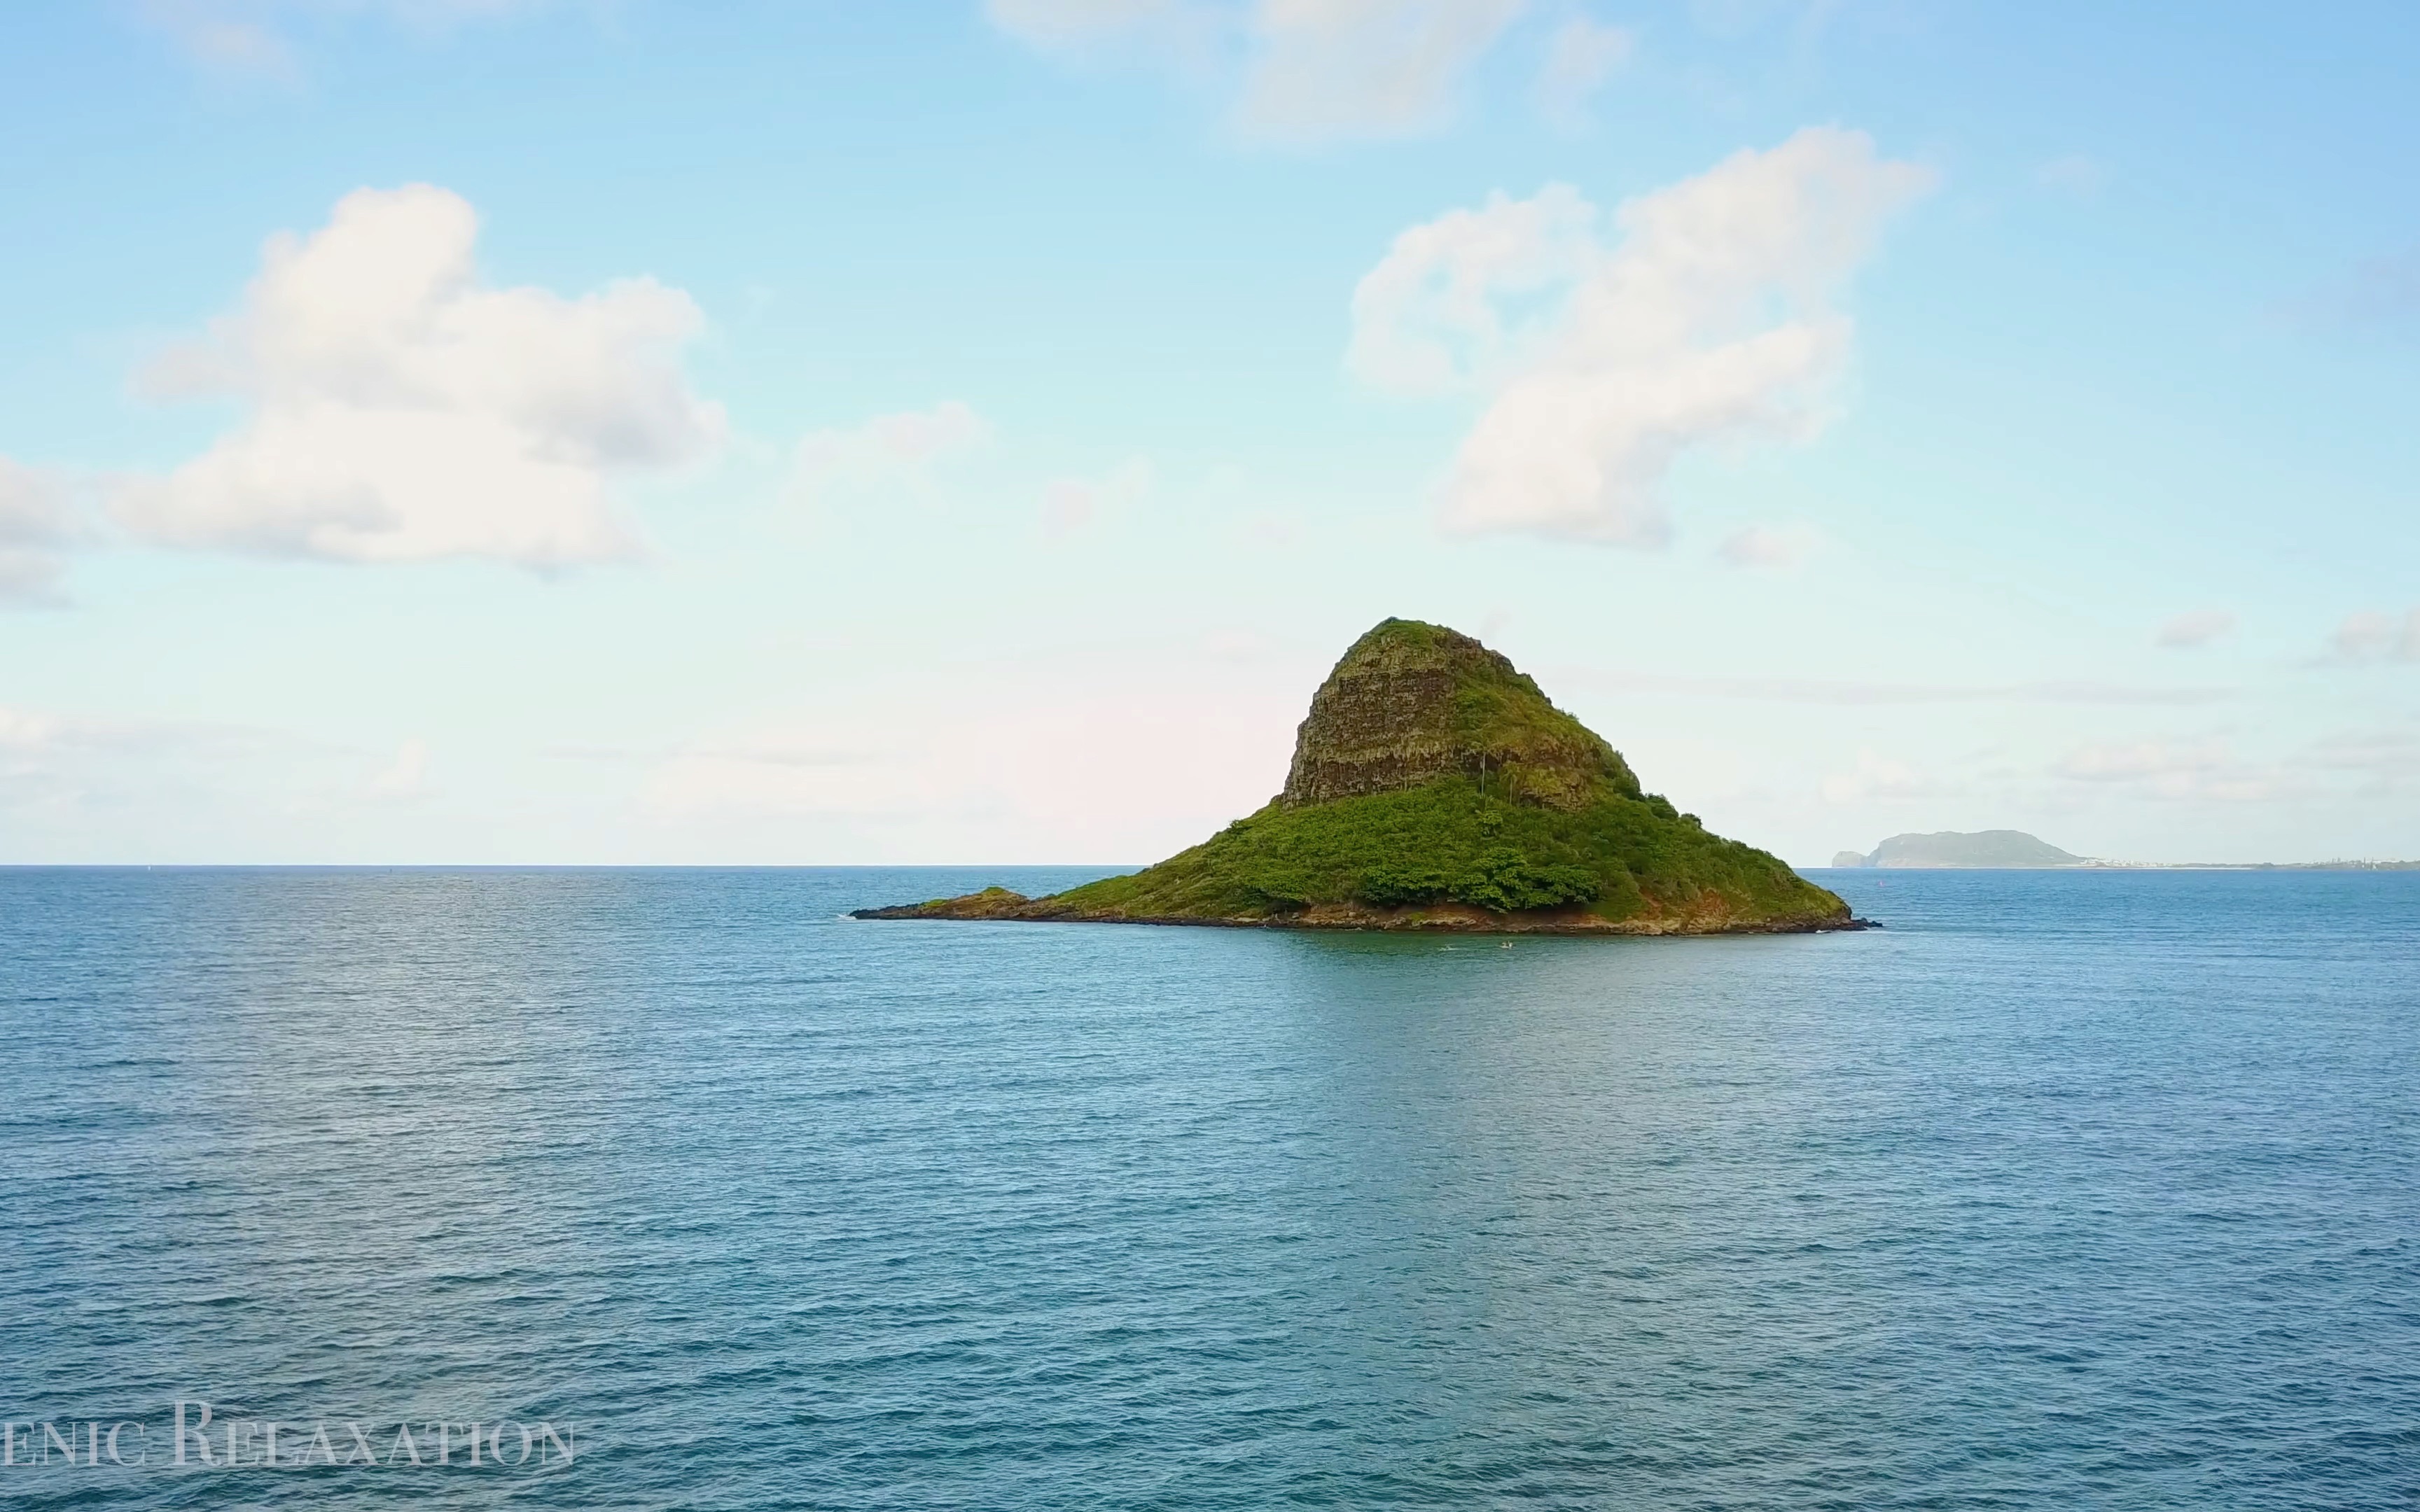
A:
[2065,1190]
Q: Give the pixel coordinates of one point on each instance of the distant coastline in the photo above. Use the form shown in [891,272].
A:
[2008,850]
[2251,866]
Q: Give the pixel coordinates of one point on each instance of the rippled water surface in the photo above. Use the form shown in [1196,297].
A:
[2066,1190]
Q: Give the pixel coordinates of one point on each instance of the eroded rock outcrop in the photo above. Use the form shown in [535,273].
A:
[1411,702]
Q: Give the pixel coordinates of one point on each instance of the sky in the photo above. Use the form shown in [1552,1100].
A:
[629,431]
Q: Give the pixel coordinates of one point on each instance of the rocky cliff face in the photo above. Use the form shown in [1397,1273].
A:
[1411,702]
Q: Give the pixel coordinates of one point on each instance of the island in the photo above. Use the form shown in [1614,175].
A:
[1949,849]
[1435,787]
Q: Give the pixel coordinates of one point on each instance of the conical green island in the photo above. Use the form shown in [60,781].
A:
[1434,787]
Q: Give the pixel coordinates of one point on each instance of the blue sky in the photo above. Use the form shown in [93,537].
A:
[471,430]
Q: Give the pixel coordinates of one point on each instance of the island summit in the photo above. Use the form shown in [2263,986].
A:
[1434,787]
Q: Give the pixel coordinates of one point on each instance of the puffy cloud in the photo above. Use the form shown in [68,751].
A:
[1710,318]
[887,451]
[2370,636]
[1429,317]
[1304,71]
[34,526]
[1581,56]
[1769,546]
[401,411]
[2196,628]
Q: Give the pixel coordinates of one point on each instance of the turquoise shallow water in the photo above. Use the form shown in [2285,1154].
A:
[2066,1190]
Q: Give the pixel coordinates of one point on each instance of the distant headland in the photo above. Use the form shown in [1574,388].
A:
[2013,849]
[1435,787]
[1950,848]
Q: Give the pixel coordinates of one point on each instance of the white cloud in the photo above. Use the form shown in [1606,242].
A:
[1711,318]
[221,37]
[253,36]
[1769,546]
[67,767]
[2196,628]
[2369,636]
[1070,504]
[1303,70]
[2382,750]
[27,730]
[406,777]
[82,786]
[1429,317]
[1878,777]
[34,526]
[2203,769]
[2380,761]
[1582,54]
[888,451]
[401,411]
[2143,759]
[1325,69]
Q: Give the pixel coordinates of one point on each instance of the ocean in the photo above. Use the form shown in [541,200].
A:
[2063,1190]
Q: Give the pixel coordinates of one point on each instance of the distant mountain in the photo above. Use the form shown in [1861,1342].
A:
[1983,848]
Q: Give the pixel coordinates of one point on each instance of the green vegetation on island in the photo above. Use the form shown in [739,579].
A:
[1435,787]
